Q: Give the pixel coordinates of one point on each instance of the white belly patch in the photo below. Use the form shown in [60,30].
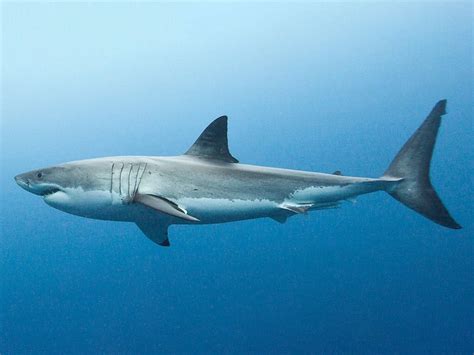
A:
[216,210]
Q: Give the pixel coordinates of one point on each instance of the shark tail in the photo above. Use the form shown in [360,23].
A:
[411,167]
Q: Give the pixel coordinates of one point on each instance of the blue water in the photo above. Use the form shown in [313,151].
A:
[317,87]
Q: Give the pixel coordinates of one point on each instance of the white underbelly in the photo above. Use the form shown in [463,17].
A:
[96,204]
[210,210]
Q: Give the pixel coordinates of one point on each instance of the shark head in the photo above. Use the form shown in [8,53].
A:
[42,182]
[81,188]
[62,187]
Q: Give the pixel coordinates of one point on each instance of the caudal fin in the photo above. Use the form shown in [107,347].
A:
[412,165]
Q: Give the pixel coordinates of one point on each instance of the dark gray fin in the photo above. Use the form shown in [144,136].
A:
[155,231]
[337,172]
[212,143]
[412,164]
[164,205]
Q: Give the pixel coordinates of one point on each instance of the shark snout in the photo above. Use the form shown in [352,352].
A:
[22,181]
[40,182]
[25,183]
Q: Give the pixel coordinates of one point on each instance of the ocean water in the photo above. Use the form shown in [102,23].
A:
[310,86]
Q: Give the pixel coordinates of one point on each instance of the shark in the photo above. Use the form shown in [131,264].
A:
[208,185]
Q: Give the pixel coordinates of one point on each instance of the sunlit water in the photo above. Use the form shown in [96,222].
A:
[319,87]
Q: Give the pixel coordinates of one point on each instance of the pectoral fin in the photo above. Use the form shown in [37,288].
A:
[157,232]
[165,206]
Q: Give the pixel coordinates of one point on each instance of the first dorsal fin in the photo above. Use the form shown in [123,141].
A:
[212,143]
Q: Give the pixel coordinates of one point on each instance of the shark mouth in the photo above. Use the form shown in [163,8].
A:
[50,191]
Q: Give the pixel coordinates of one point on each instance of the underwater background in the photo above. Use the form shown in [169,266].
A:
[310,86]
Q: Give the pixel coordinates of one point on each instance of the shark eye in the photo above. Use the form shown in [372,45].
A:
[39,175]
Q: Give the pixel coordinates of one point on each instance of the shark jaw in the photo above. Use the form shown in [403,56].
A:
[43,189]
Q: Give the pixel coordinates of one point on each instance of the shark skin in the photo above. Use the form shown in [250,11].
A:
[208,185]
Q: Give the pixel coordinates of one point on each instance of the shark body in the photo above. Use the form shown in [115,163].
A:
[208,185]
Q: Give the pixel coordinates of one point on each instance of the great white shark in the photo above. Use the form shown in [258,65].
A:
[208,185]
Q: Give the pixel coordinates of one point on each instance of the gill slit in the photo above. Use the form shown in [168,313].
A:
[129,182]
[112,178]
[135,188]
[139,180]
[120,179]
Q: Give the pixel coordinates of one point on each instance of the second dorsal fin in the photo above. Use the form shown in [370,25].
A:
[212,143]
